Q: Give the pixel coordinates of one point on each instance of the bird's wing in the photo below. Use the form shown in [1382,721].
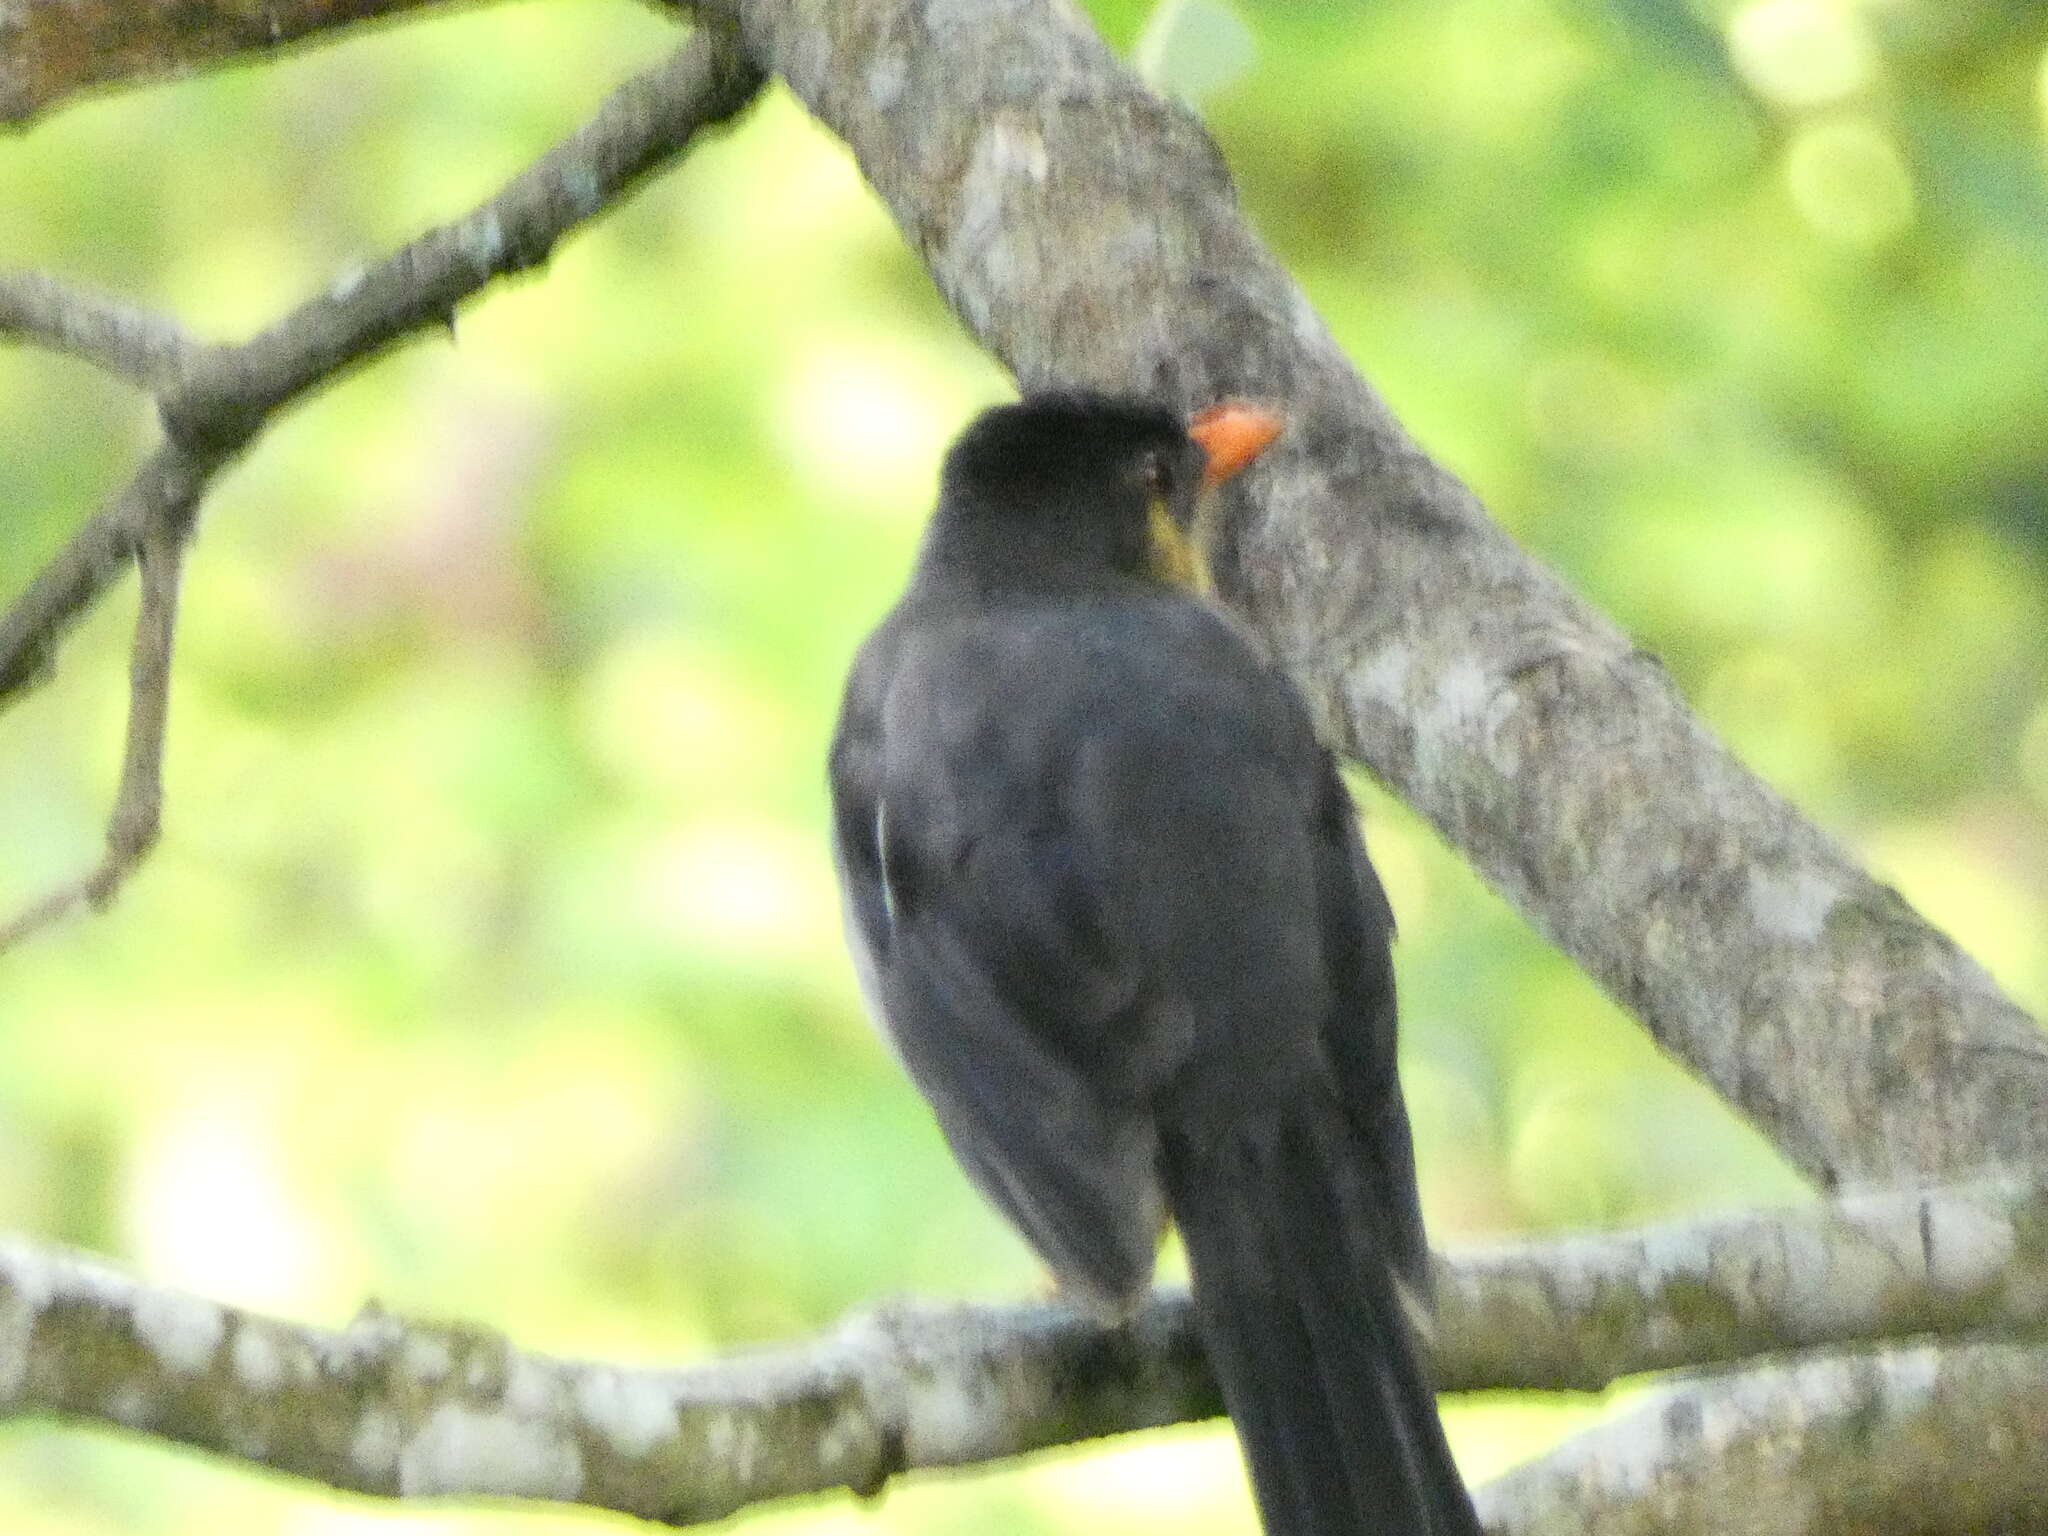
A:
[981,957]
[990,992]
[1358,927]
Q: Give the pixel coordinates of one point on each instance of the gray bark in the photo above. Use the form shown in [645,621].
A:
[50,49]
[407,1410]
[1949,1441]
[1589,1310]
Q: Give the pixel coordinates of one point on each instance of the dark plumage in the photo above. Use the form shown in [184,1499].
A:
[1107,893]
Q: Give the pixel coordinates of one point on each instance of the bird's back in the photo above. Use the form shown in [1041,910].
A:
[1051,740]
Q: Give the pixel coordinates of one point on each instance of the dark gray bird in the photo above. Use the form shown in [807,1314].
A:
[1107,893]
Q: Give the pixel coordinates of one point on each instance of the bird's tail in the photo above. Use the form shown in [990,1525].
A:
[1308,1334]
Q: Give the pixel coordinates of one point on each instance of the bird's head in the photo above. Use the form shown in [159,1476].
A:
[1103,481]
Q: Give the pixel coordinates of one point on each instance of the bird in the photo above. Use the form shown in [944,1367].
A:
[1107,893]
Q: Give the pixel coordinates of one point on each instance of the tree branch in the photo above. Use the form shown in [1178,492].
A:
[144,348]
[1927,1441]
[138,804]
[50,49]
[406,1410]
[1088,233]
[164,489]
[215,400]
[1583,1312]
[642,125]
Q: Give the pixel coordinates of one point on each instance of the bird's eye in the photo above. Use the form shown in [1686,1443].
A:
[1153,472]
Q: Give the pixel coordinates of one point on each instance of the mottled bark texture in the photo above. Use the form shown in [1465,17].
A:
[1586,1311]
[409,1411]
[403,1409]
[1948,1441]
[1088,233]
[50,49]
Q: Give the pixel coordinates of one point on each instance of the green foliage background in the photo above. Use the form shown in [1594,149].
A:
[490,966]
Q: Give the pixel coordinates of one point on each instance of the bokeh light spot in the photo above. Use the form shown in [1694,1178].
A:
[749,890]
[210,1207]
[1849,182]
[1802,53]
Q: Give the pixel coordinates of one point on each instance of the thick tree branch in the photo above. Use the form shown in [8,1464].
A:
[402,1410]
[399,1409]
[1584,1312]
[214,400]
[50,49]
[1089,234]
[1926,1441]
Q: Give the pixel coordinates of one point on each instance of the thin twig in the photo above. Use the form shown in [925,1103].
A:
[138,805]
[138,809]
[135,344]
[642,125]
[134,826]
[66,588]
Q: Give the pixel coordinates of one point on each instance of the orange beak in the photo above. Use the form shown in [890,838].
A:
[1232,434]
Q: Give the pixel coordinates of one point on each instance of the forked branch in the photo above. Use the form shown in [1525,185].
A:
[215,400]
